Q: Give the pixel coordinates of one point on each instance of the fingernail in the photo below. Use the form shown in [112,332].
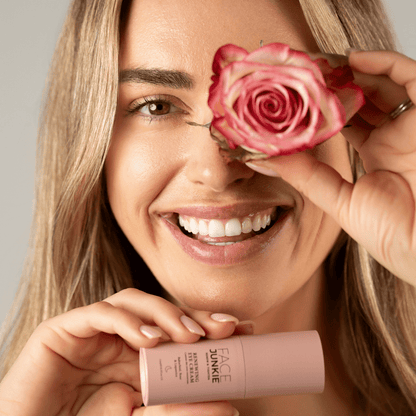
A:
[192,326]
[150,332]
[236,412]
[223,317]
[262,170]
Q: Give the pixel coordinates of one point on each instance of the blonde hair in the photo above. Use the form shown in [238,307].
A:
[78,255]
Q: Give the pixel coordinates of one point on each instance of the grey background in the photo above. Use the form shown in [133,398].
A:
[28,33]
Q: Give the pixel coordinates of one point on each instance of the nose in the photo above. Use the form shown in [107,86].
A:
[206,166]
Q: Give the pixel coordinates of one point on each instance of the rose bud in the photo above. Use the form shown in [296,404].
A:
[278,101]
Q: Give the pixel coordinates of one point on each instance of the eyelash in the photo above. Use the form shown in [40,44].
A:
[134,110]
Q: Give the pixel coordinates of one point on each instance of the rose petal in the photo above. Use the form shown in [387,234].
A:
[276,100]
[281,54]
[227,54]
[341,80]
[274,140]
[233,139]
[214,97]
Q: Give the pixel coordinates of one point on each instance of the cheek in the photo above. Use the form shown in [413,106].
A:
[137,167]
[129,172]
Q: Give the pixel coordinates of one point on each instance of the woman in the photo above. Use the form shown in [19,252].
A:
[108,209]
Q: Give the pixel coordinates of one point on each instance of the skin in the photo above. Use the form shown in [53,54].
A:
[152,168]
[86,361]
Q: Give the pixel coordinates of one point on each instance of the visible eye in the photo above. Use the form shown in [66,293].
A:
[157,108]
[154,108]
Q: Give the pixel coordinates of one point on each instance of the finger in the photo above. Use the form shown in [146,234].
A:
[399,68]
[70,329]
[358,132]
[215,325]
[382,93]
[370,114]
[380,90]
[219,408]
[320,183]
[155,310]
[383,154]
[388,78]
[113,398]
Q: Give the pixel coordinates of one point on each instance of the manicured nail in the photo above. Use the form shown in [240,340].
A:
[262,170]
[223,317]
[192,326]
[150,332]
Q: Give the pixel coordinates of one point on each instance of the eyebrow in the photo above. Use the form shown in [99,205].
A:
[156,76]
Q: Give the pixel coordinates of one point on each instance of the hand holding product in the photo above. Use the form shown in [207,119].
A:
[85,362]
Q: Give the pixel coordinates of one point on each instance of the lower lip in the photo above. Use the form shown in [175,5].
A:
[231,254]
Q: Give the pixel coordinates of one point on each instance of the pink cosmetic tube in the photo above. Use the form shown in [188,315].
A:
[238,367]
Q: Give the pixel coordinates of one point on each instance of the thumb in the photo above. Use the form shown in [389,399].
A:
[320,183]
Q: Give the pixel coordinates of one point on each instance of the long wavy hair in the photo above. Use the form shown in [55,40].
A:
[78,254]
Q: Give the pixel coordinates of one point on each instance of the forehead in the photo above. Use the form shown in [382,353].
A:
[185,34]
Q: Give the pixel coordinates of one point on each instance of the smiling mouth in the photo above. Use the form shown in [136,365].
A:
[222,232]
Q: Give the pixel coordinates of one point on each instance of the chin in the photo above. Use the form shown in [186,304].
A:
[242,300]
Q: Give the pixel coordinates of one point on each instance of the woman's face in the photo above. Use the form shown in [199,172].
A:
[161,170]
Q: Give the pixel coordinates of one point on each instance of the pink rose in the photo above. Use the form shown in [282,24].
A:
[277,101]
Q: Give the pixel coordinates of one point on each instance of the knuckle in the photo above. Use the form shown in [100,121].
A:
[107,310]
[124,294]
[164,305]
[130,291]
[144,297]
[41,329]
[50,323]
[101,307]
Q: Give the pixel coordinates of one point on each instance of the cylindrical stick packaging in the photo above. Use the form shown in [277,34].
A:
[237,367]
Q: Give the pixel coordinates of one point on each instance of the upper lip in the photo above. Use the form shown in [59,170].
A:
[227,211]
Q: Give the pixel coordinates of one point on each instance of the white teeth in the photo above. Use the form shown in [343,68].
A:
[185,224]
[257,223]
[216,229]
[246,226]
[194,226]
[188,227]
[233,227]
[203,227]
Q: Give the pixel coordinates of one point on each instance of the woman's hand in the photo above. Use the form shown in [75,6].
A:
[86,362]
[379,210]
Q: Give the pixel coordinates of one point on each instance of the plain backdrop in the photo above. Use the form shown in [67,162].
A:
[28,34]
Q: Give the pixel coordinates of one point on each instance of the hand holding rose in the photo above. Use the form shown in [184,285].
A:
[378,211]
